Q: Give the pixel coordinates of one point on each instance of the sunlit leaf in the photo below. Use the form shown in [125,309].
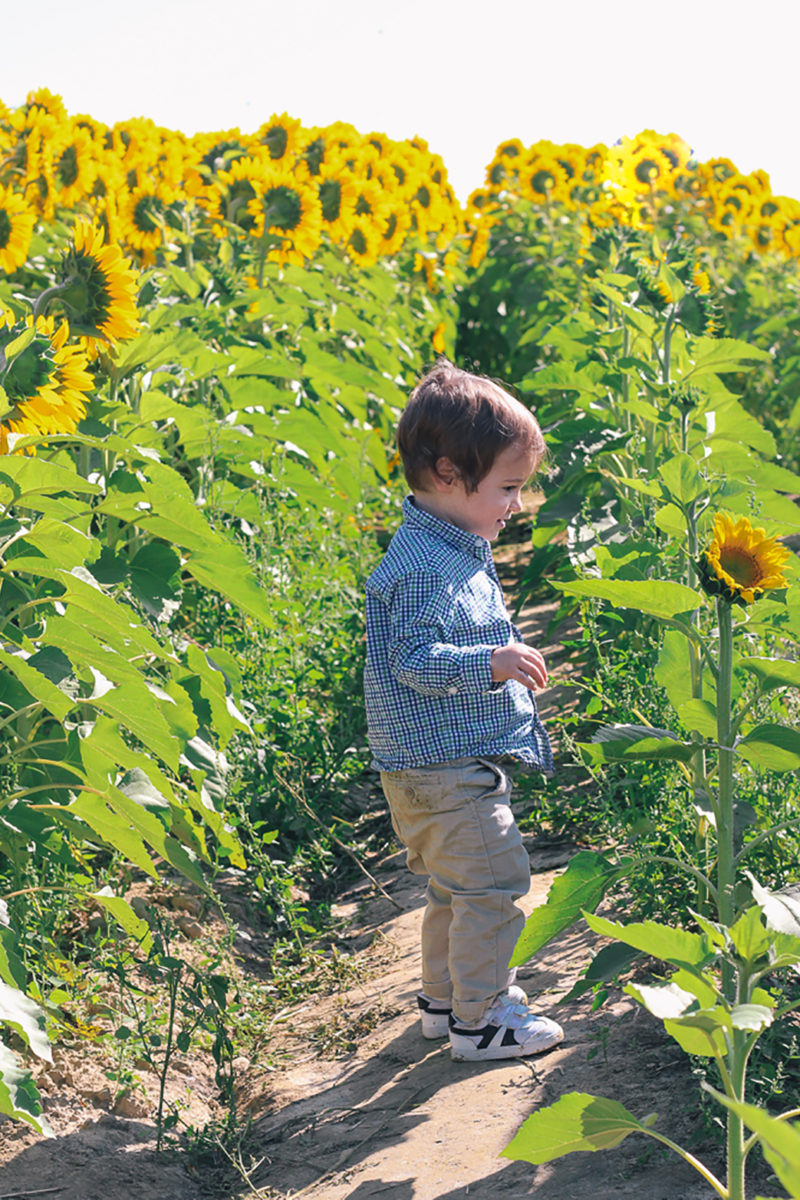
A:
[578,1121]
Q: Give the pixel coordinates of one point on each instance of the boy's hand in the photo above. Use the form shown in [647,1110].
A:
[520,662]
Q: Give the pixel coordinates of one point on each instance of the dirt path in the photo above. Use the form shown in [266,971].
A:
[397,1119]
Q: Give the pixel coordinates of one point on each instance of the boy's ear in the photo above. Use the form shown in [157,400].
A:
[443,475]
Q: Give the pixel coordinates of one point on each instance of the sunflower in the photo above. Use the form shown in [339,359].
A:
[338,195]
[364,243]
[281,136]
[287,210]
[74,167]
[230,196]
[543,179]
[16,228]
[395,229]
[144,216]
[741,563]
[97,289]
[48,102]
[43,387]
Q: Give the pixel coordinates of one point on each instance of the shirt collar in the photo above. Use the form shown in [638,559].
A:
[462,539]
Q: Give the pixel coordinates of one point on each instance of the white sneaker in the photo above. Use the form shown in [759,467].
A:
[435,1014]
[506,1030]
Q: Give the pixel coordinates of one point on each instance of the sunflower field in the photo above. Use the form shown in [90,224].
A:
[205,343]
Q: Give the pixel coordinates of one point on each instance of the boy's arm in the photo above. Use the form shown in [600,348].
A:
[421,652]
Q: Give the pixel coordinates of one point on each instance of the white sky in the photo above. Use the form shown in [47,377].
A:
[463,75]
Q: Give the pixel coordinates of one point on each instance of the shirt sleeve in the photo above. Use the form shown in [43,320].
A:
[421,653]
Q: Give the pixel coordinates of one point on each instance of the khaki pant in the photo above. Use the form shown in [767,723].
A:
[456,821]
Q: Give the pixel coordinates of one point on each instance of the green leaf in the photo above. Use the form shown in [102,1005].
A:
[672,669]
[682,478]
[19,1096]
[578,1121]
[614,743]
[753,1017]
[774,747]
[781,912]
[125,917]
[579,889]
[25,1018]
[704,1037]
[772,673]
[105,822]
[669,1001]
[12,968]
[750,939]
[606,965]
[669,519]
[717,355]
[155,576]
[41,689]
[19,343]
[565,376]
[658,598]
[699,716]
[676,946]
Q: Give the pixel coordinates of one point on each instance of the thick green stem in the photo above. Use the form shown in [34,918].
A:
[726,863]
[736,1142]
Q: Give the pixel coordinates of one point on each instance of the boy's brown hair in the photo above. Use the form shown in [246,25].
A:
[466,418]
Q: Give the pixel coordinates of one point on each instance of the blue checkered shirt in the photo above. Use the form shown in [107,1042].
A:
[435,612]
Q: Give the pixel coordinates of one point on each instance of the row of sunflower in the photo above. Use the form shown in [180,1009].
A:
[643,182]
[286,185]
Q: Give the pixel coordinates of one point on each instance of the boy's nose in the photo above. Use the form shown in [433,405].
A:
[516,503]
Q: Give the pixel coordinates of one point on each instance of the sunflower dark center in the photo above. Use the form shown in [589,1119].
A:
[647,170]
[146,214]
[423,197]
[363,206]
[5,229]
[358,241]
[276,140]
[391,226]
[68,166]
[221,153]
[315,153]
[543,181]
[30,370]
[742,567]
[283,208]
[330,195]
[240,194]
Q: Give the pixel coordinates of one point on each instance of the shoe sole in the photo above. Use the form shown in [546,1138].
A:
[498,1052]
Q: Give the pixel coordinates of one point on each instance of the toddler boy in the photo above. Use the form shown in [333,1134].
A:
[449,694]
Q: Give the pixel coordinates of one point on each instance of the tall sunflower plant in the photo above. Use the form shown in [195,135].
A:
[717,1001]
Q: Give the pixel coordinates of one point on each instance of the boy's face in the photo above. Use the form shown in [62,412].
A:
[485,511]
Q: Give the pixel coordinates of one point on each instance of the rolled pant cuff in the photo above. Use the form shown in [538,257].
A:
[438,991]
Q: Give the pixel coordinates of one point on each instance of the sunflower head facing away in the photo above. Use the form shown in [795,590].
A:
[98,288]
[740,563]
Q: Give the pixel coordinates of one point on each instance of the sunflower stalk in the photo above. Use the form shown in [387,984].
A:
[726,867]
